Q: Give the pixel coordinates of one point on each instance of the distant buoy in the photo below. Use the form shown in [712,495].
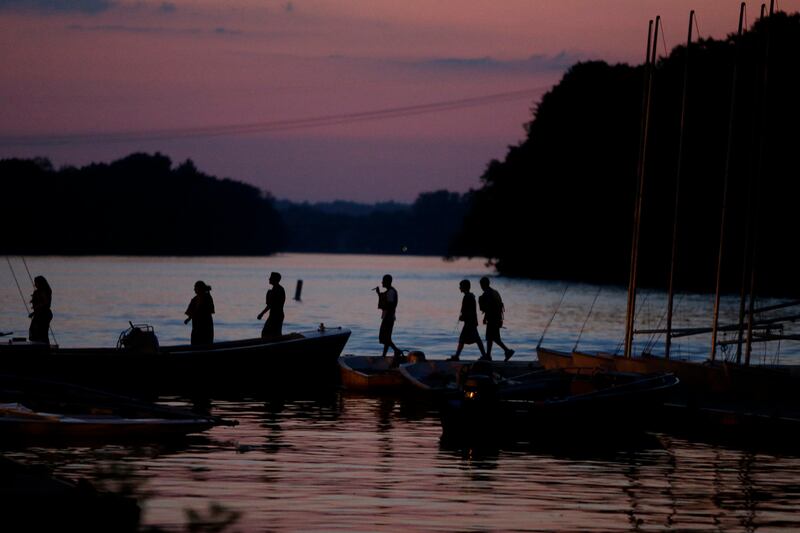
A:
[298,290]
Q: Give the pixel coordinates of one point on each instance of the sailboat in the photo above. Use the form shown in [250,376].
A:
[730,387]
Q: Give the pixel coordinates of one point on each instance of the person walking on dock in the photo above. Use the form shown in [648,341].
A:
[493,313]
[41,315]
[387,303]
[276,297]
[469,316]
[199,313]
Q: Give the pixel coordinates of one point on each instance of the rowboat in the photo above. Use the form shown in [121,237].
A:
[57,412]
[553,403]
[373,374]
[139,363]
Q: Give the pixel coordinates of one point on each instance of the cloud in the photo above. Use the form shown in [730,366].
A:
[59,6]
[534,63]
[155,30]
[219,30]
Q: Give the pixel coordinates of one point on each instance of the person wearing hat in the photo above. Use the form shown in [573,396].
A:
[199,313]
[469,316]
[276,297]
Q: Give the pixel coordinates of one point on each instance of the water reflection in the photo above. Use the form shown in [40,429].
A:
[349,462]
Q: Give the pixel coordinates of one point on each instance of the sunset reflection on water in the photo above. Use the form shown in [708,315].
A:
[342,462]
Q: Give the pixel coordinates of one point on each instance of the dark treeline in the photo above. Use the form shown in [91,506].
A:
[140,204]
[560,205]
[426,227]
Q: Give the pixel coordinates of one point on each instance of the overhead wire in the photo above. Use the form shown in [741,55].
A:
[266,126]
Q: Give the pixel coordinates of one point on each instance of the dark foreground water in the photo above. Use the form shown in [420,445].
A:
[353,463]
[340,462]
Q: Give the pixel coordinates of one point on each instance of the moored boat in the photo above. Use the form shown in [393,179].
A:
[554,403]
[55,412]
[139,363]
[440,376]
[553,359]
[374,374]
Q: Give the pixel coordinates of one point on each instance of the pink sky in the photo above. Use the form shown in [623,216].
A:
[92,67]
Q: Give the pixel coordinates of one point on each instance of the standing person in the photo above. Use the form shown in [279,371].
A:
[469,315]
[493,310]
[199,312]
[387,303]
[41,315]
[276,297]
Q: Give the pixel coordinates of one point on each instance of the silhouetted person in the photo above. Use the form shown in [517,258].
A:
[199,312]
[276,297]
[493,310]
[469,315]
[41,315]
[387,303]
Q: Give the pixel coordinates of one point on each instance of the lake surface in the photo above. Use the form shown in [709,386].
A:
[343,462]
[95,297]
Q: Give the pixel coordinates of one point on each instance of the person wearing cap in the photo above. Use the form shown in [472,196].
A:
[469,316]
[199,313]
[276,297]
[493,310]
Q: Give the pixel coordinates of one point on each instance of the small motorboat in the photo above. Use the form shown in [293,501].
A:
[554,402]
[54,412]
[442,376]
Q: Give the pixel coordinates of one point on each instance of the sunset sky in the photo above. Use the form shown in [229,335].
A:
[365,100]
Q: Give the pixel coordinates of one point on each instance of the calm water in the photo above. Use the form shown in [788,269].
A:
[95,297]
[342,462]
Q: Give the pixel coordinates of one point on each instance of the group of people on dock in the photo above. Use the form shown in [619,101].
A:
[490,303]
[201,308]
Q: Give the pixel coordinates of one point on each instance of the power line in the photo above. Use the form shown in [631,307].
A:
[266,126]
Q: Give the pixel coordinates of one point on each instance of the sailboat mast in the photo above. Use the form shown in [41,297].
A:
[673,260]
[748,220]
[758,176]
[725,182]
[646,101]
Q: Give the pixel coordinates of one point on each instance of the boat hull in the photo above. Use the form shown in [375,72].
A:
[46,411]
[553,411]
[553,359]
[370,374]
[252,365]
[438,376]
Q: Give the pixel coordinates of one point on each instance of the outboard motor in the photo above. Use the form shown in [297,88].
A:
[140,338]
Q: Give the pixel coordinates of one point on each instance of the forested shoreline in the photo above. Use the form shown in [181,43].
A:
[142,204]
[560,204]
